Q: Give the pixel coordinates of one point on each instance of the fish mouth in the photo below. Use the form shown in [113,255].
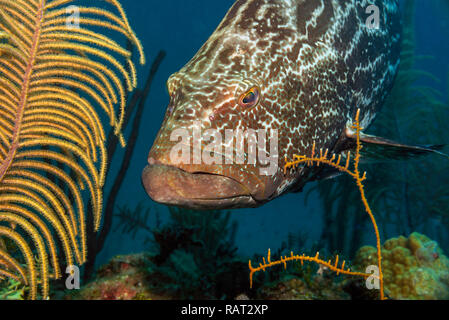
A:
[173,186]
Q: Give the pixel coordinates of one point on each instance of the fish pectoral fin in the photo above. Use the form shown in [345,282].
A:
[327,173]
[382,149]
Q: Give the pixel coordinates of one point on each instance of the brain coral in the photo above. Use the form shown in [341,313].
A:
[413,268]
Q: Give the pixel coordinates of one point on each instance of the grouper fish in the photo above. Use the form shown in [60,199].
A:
[297,70]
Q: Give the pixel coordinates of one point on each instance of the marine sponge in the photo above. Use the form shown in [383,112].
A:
[414,267]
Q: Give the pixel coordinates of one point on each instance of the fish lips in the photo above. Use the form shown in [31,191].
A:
[198,190]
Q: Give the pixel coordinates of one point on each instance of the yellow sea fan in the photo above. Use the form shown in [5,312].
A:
[58,73]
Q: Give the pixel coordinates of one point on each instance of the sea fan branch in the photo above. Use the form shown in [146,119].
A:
[53,159]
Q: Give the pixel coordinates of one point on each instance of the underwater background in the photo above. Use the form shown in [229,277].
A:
[192,254]
[327,221]
[180,28]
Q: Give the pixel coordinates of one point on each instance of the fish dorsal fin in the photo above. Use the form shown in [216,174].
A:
[382,149]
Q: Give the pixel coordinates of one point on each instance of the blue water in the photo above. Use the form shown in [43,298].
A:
[180,27]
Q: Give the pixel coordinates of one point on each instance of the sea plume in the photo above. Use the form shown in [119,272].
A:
[54,81]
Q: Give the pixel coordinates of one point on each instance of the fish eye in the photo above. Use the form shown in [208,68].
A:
[250,98]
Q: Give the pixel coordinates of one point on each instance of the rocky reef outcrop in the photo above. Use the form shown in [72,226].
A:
[414,268]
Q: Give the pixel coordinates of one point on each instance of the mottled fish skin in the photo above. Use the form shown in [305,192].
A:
[315,61]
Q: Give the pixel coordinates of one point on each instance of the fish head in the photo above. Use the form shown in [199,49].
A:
[207,154]
[225,126]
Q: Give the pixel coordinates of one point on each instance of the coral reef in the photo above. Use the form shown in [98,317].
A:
[319,288]
[301,282]
[11,289]
[134,277]
[414,267]
[193,256]
[196,258]
[123,278]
